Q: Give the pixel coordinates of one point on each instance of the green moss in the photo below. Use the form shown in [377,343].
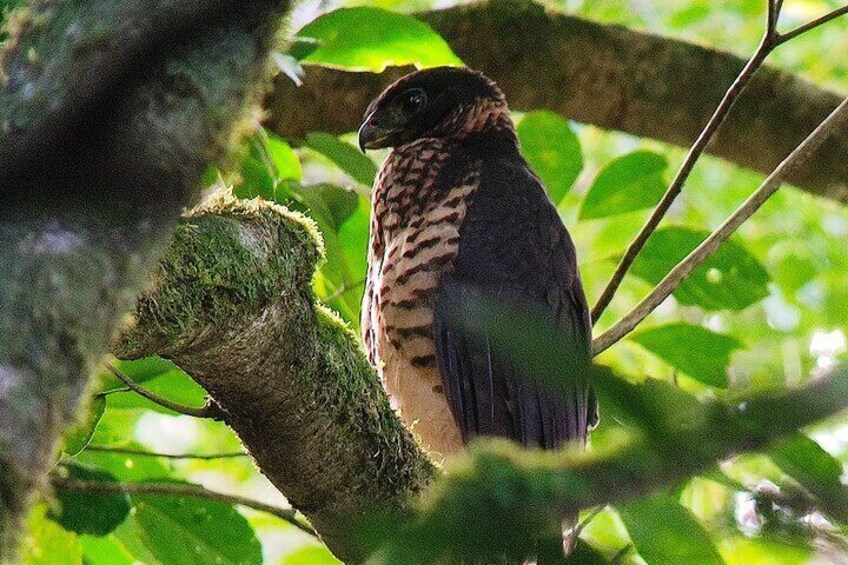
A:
[358,392]
[224,264]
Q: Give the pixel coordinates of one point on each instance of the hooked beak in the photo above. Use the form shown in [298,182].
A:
[372,136]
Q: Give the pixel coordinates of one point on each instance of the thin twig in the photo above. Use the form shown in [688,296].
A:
[142,453]
[203,412]
[105,393]
[837,119]
[195,491]
[774,7]
[771,39]
[676,186]
[789,35]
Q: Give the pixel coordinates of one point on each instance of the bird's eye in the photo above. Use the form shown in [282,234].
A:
[413,100]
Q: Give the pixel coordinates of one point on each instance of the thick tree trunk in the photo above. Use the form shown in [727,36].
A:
[605,75]
[110,113]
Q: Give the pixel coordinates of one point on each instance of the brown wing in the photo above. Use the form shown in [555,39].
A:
[514,250]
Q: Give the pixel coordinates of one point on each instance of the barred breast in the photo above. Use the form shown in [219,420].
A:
[417,212]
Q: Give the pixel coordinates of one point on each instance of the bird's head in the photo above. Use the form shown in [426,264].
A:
[442,102]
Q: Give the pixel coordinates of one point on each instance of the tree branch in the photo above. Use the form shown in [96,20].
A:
[835,122]
[771,39]
[203,412]
[233,306]
[194,491]
[525,493]
[606,75]
[143,453]
[790,35]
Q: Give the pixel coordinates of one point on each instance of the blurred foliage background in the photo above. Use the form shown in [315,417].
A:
[768,311]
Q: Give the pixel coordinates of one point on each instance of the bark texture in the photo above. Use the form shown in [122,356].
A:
[110,112]
[605,75]
[233,306]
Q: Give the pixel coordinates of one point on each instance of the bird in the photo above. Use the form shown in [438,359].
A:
[458,212]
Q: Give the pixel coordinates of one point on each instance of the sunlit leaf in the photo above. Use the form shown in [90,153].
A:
[370,39]
[193,531]
[285,163]
[631,182]
[806,462]
[106,550]
[665,533]
[48,543]
[92,513]
[79,436]
[552,150]
[311,555]
[346,156]
[695,350]
[730,279]
[266,168]
[752,551]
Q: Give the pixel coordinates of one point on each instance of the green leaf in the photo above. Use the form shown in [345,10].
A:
[47,543]
[748,551]
[346,156]
[552,150]
[805,461]
[267,168]
[92,513]
[79,436]
[140,370]
[311,555]
[675,344]
[193,531]
[106,550]
[340,278]
[327,203]
[730,279]
[370,39]
[282,157]
[665,533]
[631,182]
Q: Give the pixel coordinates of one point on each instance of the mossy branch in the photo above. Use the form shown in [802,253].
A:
[233,306]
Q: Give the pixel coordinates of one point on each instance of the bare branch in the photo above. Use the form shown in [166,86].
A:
[194,491]
[771,39]
[837,119]
[142,453]
[203,412]
[789,35]
[774,7]
[695,151]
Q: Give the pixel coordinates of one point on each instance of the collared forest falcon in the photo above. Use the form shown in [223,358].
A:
[457,209]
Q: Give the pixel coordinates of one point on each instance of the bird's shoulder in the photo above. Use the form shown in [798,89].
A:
[512,234]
